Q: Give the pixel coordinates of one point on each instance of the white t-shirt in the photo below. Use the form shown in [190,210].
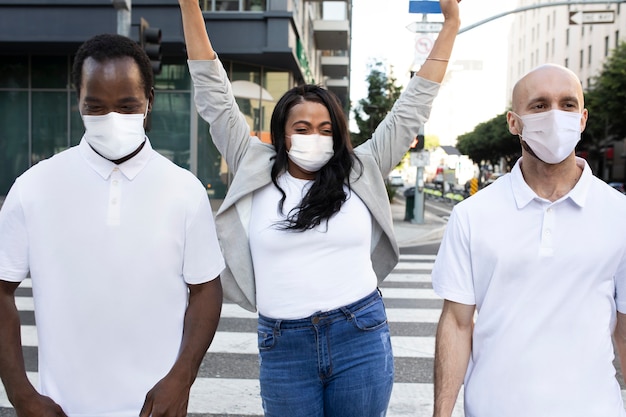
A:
[546,278]
[110,250]
[300,273]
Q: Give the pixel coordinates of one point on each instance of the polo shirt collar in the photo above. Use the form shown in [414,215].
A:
[523,194]
[104,167]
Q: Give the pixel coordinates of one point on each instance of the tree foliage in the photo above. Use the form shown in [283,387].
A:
[382,93]
[606,102]
[489,142]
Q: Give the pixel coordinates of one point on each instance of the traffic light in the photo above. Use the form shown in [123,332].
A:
[150,39]
[418,143]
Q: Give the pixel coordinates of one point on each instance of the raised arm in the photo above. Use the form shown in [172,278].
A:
[434,68]
[196,38]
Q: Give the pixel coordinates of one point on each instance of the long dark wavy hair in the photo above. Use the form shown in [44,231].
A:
[326,194]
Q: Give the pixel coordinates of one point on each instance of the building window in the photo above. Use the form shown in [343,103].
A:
[581,58]
[567,37]
[616,38]
[606,46]
[566,63]
[589,56]
[233,5]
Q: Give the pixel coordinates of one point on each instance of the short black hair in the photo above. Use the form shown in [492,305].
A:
[105,47]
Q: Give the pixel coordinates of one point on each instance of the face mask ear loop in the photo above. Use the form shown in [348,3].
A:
[145,114]
[519,118]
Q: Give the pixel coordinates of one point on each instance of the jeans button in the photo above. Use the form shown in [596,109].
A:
[315,320]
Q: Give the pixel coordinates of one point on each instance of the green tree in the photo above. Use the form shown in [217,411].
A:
[490,141]
[606,102]
[382,93]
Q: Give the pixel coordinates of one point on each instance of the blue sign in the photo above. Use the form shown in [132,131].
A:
[424,6]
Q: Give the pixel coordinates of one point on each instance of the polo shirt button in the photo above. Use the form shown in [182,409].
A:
[115,182]
[114,201]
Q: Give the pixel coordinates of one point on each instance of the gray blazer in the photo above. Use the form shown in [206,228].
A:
[251,160]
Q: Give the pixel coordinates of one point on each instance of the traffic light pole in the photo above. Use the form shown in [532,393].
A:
[418,208]
[418,160]
[123,8]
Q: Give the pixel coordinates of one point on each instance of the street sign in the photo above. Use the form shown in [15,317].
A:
[590,17]
[424,6]
[423,45]
[425,27]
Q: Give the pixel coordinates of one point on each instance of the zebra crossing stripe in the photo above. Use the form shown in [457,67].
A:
[410,293]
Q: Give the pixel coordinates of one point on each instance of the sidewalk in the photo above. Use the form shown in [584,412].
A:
[411,234]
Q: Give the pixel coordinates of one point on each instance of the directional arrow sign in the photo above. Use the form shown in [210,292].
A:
[589,17]
[424,6]
[425,27]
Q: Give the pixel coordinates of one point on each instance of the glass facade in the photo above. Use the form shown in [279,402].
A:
[40,117]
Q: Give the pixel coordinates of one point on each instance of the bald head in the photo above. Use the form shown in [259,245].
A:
[547,87]
[549,83]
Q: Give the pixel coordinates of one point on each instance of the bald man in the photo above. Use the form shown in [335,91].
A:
[532,270]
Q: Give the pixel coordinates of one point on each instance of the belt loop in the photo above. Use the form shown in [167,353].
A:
[277,324]
[347,313]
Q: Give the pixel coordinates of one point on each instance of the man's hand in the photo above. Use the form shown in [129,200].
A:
[38,405]
[169,397]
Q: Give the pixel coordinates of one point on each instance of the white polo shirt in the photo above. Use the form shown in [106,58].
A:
[546,278]
[110,250]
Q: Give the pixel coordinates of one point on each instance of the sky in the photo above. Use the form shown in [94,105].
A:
[467,97]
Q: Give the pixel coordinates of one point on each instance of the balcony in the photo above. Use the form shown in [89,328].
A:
[335,66]
[332,34]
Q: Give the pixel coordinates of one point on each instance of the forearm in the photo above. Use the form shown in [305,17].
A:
[435,66]
[619,337]
[452,352]
[196,39]
[12,370]
[201,320]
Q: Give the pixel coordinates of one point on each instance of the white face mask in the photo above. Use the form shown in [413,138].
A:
[115,135]
[551,135]
[311,152]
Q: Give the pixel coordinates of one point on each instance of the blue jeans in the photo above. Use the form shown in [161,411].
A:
[333,364]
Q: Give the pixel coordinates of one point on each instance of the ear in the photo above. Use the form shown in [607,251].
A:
[514,123]
[150,99]
[583,120]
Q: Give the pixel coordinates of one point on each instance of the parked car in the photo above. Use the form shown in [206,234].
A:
[396,181]
[492,178]
[619,186]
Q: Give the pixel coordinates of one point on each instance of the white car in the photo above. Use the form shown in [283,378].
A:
[396,181]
